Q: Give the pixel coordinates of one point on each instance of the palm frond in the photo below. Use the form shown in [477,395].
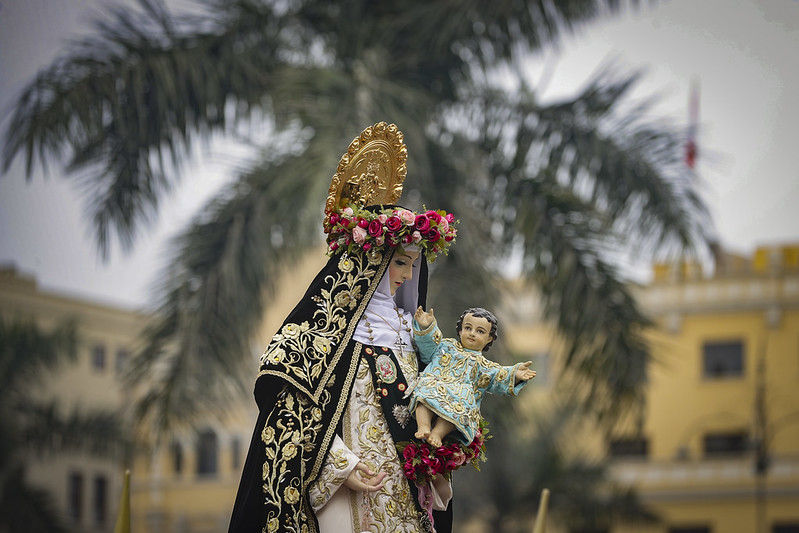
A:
[125,105]
[27,352]
[25,509]
[199,348]
[43,428]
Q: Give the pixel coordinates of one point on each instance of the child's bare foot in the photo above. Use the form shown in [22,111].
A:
[422,433]
[434,439]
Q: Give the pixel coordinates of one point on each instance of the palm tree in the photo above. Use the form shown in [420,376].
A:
[33,426]
[560,188]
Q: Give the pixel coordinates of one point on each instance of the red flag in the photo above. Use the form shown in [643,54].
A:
[693,118]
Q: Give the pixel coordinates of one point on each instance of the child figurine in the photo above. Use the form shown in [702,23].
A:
[458,375]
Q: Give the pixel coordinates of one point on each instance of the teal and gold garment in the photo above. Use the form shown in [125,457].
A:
[455,381]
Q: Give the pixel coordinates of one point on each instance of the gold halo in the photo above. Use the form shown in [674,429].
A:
[372,170]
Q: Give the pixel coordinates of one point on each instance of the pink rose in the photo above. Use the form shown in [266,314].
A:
[433,215]
[375,228]
[459,458]
[422,223]
[382,217]
[393,223]
[379,241]
[417,237]
[359,234]
[347,211]
[443,225]
[407,217]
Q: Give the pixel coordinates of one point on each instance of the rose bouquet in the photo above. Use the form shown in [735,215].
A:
[422,462]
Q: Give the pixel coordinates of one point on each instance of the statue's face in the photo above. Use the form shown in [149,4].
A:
[400,269]
[475,332]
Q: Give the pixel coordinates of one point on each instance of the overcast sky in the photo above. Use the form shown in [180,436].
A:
[743,54]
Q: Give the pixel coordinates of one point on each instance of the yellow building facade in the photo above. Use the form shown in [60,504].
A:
[86,489]
[715,446]
[719,448]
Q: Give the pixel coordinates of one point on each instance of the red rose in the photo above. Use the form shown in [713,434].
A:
[362,222]
[407,239]
[375,228]
[433,235]
[432,215]
[422,223]
[410,451]
[333,219]
[450,218]
[393,223]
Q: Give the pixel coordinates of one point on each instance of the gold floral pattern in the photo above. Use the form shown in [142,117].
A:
[367,435]
[305,354]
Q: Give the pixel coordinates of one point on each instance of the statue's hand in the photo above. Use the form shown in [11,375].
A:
[423,318]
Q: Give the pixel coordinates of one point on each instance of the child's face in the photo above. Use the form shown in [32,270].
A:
[475,332]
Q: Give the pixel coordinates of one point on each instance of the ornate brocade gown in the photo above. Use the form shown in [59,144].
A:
[365,435]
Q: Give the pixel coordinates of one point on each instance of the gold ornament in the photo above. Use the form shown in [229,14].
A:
[372,170]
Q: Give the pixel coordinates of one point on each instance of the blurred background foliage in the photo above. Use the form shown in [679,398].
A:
[550,193]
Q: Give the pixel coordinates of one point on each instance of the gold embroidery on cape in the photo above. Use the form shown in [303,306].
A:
[302,350]
[300,421]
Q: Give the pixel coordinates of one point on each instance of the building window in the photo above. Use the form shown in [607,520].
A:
[235,452]
[100,500]
[207,453]
[690,529]
[177,457]
[724,444]
[723,359]
[98,357]
[785,528]
[629,448]
[122,360]
[75,496]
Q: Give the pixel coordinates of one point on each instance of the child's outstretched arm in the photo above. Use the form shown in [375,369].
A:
[523,373]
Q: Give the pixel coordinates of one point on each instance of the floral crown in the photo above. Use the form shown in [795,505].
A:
[352,228]
[371,173]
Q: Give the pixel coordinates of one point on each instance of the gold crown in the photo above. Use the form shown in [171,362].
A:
[372,170]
